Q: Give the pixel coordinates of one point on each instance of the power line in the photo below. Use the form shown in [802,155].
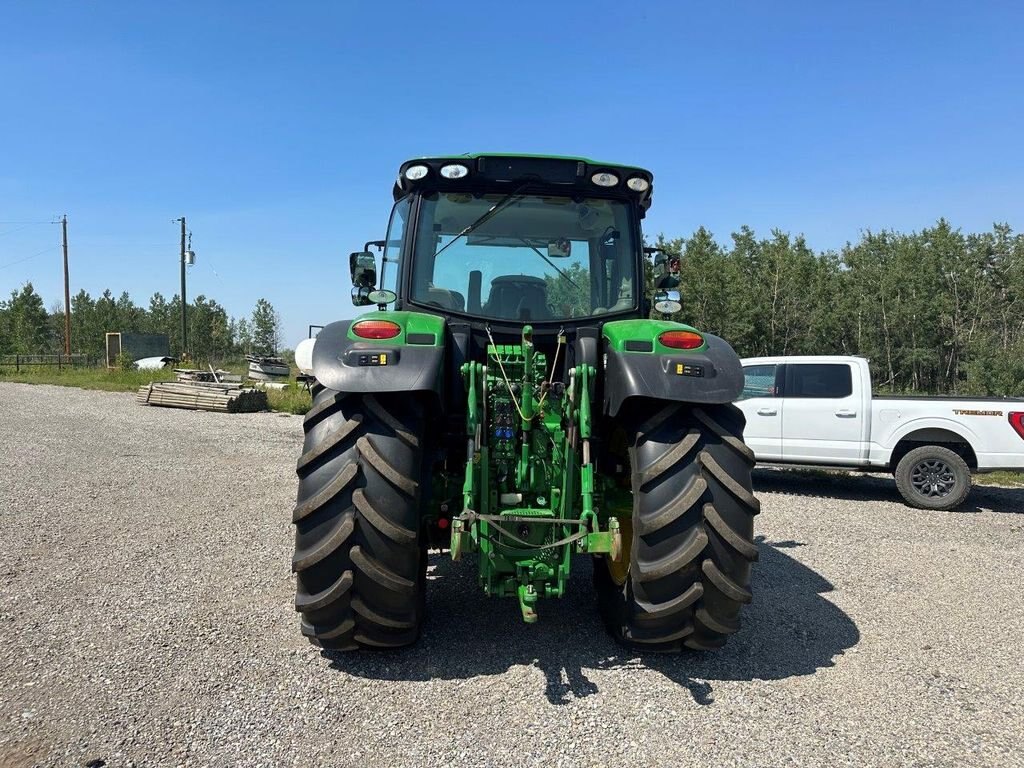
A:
[26,225]
[37,253]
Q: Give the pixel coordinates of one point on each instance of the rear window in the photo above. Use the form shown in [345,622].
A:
[826,380]
[758,381]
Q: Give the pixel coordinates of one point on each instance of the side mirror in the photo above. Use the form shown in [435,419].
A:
[363,268]
[666,271]
[667,302]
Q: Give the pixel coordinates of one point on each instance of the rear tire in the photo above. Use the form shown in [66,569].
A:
[692,546]
[359,556]
[932,477]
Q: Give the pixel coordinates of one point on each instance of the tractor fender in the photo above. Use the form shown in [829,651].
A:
[713,375]
[349,365]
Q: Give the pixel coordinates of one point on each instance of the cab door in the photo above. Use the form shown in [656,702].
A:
[762,407]
[823,412]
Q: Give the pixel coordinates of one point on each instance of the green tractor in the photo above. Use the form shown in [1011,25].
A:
[508,399]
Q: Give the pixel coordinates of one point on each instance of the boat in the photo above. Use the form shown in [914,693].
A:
[267,368]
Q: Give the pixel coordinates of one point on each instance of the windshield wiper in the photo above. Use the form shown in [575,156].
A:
[487,216]
[549,261]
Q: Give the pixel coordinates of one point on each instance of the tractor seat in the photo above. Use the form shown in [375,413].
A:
[518,297]
[446,299]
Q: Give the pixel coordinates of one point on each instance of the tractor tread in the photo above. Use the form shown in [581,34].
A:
[722,627]
[658,418]
[633,636]
[746,549]
[729,482]
[401,431]
[669,607]
[360,607]
[672,511]
[320,632]
[393,531]
[725,585]
[376,460]
[328,444]
[674,561]
[308,506]
[374,570]
[321,410]
[704,644]
[390,640]
[727,437]
[308,603]
[340,530]
[668,459]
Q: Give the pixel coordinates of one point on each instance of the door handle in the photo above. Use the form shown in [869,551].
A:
[845,413]
[767,411]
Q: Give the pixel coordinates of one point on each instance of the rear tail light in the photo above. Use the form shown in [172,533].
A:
[681,339]
[376,329]
[1017,422]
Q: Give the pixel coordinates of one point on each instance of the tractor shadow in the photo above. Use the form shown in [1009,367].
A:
[790,630]
[861,487]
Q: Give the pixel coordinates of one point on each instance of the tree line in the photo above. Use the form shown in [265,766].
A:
[936,311]
[27,328]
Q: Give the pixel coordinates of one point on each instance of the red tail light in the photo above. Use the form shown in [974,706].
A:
[1017,422]
[376,329]
[681,339]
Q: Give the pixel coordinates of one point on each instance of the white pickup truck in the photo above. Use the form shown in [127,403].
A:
[819,411]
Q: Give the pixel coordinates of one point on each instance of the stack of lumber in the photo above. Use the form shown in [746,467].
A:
[203,396]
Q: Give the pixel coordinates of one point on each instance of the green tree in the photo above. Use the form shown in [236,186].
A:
[569,292]
[266,328]
[27,322]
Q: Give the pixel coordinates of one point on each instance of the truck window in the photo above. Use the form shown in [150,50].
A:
[758,381]
[823,380]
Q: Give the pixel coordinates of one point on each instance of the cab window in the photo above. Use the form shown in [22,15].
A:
[758,381]
[821,380]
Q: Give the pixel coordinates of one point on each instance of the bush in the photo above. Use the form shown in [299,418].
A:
[125,362]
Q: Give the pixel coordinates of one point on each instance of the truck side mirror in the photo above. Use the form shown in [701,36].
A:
[363,268]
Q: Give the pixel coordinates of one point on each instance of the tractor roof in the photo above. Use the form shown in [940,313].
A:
[496,170]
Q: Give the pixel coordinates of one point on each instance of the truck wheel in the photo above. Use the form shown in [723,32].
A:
[359,560]
[932,477]
[686,572]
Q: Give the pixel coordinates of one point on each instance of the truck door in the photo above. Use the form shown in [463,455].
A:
[762,407]
[822,415]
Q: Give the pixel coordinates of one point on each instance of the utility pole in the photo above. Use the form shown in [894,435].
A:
[67,289]
[184,301]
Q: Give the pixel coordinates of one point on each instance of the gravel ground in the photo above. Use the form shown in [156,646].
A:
[146,619]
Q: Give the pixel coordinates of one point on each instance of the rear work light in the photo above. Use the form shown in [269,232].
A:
[416,172]
[376,329]
[681,339]
[1017,422]
[454,171]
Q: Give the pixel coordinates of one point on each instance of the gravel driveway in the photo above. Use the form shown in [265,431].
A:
[146,619]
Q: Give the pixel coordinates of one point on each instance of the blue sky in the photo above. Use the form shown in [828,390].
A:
[277,128]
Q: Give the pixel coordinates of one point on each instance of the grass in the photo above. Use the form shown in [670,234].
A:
[1012,479]
[85,378]
[292,399]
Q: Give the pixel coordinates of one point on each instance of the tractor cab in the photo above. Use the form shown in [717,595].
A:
[510,240]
